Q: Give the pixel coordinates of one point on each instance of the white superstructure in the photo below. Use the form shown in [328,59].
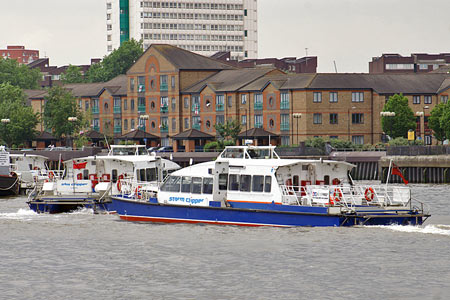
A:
[200,26]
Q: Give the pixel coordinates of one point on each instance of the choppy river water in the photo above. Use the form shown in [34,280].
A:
[82,255]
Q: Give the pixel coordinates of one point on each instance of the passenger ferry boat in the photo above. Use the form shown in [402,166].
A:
[252,186]
[90,181]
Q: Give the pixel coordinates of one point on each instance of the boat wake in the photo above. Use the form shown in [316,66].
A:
[428,229]
[21,214]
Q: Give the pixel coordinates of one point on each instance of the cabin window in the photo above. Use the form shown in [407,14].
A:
[186,184]
[246,181]
[172,184]
[258,183]
[234,182]
[114,175]
[151,174]
[223,182]
[196,185]
[267,184]
[141,175]
[207,185]
[85,174]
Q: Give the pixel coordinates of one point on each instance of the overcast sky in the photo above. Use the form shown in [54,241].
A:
[349,32]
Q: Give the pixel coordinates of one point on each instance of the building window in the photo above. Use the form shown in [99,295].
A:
[163,83]
[230,101]
[258,99]
[141,84]
[125,124]
[333,118]
[333,97]
[174,124]
[357,118]
[133,124]
[416,99]
[172,82]
[357,97]
[285,140]
[358,139]
[220,102]
[220,119]
[244,120]
[427,99]
[317,118]
[86,105]
[258,121]
[132,105]
[174,104]
[444,98]
[125,104]
[428,139]
[186,102]
[284,100]
[186,123]
[317,97]
[243,98]
[284,122]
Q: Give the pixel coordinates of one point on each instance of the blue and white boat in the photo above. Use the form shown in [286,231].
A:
[90,181]
[252,186]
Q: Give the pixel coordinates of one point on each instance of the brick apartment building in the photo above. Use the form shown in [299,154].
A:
[170,91]
[19,53]
[415,63]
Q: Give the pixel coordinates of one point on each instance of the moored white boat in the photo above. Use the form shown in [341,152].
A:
[90,181]
[252,186]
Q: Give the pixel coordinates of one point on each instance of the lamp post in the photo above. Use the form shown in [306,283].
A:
[297,116]
[348,121]
[142,119]
[71,120]
[5,122]
[388,114]
[422,114]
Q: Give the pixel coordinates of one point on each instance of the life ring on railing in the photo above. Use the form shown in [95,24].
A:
[51,175]
[137,192]
[36,168]
[335,181]
[369,194]
[119,182]
[336,196]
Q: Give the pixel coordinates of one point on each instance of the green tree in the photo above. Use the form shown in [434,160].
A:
[403,120]
[22,119]
[434,121]
[445,120]
[72,75]
[228,130]
[116,63]
[60,106]
[19,75]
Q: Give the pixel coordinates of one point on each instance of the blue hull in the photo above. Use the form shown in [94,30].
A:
[60,205]
[273,215]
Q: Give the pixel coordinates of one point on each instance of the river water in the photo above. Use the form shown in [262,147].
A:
[82,255]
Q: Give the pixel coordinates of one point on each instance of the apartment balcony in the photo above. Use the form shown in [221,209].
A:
[95,110]
[284,105]
[141,88]
[141,108]
[284,126]
[258,125]
[96,128]
[142,127]
[196,126]
[164,87]
[165,109]
[164,129]
[196,108]
[117,109]
[220,107]
[117,129]
[258,106]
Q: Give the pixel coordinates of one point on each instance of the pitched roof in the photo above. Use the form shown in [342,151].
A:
[137,134]
[45,136]
[186,60]
[94,135]
[256,133]
[192,134]
[229,80]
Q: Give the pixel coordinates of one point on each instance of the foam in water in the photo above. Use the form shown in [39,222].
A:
[428,229]
[22,213]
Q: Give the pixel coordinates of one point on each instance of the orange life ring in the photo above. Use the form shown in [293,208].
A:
[336,196]
[369,194]
[336,181]
[51,175]
[119,185]
[137,192]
